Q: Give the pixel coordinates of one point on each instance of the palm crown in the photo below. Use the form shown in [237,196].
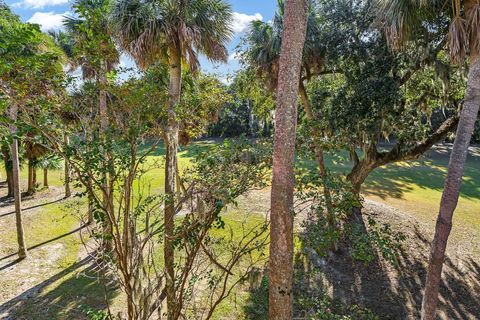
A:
[400,17]
[264,40]
[88,41]
[150,30]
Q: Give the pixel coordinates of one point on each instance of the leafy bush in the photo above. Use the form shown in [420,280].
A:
[363,242]
[380,237]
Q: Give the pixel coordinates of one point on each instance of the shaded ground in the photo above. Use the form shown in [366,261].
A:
[58,282]
[397,293]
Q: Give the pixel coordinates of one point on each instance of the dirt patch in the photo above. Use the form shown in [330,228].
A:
[396,293]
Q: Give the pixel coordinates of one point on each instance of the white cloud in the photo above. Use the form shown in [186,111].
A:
[48,20]
[38,4]
[242,21]
[234,56]
[226,80]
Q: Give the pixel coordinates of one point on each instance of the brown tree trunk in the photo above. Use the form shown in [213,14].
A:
[108,193]
[10,192]
[34,176]
[45,177]
[68,191]
[30,185]
[171,145]
[22,247]
[281,216]
[7,163]
[320,159]
[90,217]
[451,190]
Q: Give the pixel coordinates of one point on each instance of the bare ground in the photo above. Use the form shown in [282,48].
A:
[396,293]
[389,292]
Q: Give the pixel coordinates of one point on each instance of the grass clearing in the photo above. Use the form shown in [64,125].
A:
[68,289]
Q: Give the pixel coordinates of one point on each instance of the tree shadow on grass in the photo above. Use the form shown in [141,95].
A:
[427,173]
[39,245]
[66,295]
[392,293]
[28,208]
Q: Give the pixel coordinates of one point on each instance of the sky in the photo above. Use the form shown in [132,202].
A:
[49,15]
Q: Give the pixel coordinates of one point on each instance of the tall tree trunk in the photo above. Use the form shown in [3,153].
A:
[320,159]
[108,195]
[281,216]
[45,177]
[22,247]
[171,145]
[451,190]
[68,191]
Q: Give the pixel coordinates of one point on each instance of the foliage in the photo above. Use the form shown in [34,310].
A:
[379,238]
[89,40]
[155,30]
[30,64]
[363,242]
[307,306]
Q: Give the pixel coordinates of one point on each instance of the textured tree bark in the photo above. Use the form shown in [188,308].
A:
[451,191]
[10,182]
[171,145]
[45,177]
[30,184]
[281,216]
[22,247]
[108,194]
[68,191]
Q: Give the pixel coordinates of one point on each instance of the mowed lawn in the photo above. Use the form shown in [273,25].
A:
[414,187]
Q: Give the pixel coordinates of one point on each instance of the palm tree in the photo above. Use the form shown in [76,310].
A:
[263,54]
[281,217]
[173,32]
[33,152]
[93,50]
[401,17]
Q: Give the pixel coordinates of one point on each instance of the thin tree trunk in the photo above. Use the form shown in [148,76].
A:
[108,195]
[320,159]
[7,163]
[30,187]
[10,192]
[281,217]
[45,177]
[171,145]
[22,247]
[34,176]
[90,217]
[68,191]
[451,190]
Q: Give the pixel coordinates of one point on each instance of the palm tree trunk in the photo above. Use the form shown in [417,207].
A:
[451,190]
[34,176]
[281,217]
[45,177]
[30,187]
[108,194]
[320,159]
[22,247]
[68,191]
[10,192]
[171,145]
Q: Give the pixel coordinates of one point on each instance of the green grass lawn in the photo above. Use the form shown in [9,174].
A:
[414,187]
